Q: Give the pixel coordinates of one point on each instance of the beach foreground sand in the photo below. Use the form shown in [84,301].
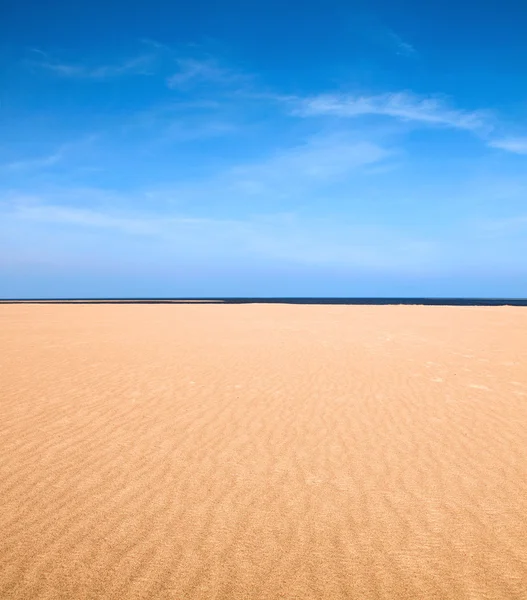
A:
[263,452]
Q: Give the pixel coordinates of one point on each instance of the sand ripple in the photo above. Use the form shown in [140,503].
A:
[263,451]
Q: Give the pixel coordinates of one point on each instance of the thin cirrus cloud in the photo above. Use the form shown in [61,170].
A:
[320,160]
[517,145]
[62,153]
[292,177]
[193,71]
[139,65]
[406,106]
[279,236]
[402,47]
[35,163]
[291,174]
[372,31]
[401,105]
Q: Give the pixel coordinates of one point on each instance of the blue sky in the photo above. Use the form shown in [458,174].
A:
[263,149]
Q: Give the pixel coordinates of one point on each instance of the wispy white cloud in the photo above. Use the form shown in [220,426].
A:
[191,71]
[371,31]
[517,145]
[401,47]
[291,175]
[139,65]
[402,105]
[48,160]
[317,161]
[34,163]
[81,216]
[156,44]
[252,193]
[277,236]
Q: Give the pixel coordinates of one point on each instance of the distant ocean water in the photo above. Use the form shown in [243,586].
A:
[330,301]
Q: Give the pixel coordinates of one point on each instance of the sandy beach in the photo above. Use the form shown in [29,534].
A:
[264,452]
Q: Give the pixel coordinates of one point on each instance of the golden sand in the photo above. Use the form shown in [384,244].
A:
[263,452]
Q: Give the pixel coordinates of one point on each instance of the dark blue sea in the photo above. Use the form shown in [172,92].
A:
[329,301]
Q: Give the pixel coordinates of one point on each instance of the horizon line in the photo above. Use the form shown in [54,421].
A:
[328,300]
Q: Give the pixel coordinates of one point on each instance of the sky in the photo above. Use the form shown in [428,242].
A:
[250,148]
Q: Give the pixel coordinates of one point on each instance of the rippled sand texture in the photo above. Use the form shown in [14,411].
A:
[263,452]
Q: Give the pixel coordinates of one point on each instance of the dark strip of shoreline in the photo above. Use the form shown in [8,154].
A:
[322,301]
